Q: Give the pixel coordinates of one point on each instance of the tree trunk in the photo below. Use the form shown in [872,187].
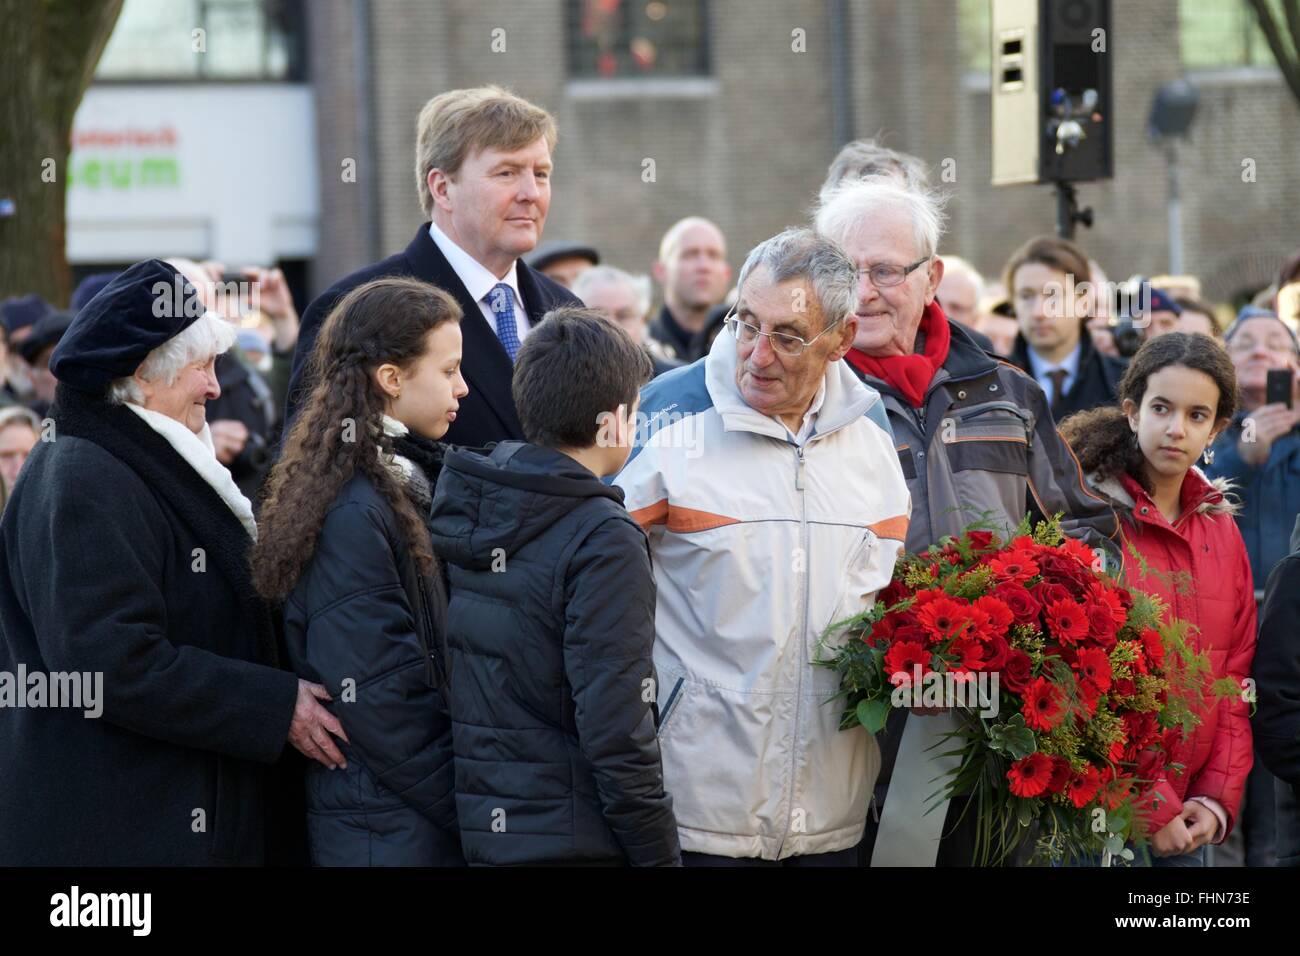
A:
[1287,59]
[51,49]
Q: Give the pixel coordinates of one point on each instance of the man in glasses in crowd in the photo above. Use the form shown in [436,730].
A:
[767,483]
[975,440]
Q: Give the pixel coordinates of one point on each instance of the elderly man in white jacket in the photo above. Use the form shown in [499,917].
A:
[766,478]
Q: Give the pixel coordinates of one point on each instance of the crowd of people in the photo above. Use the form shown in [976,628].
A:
[484,561]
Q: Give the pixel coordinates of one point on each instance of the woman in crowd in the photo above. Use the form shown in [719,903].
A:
[124,573]
[1178,393]
[345,545]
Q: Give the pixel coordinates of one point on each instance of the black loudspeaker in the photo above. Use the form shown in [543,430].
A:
[1052,91]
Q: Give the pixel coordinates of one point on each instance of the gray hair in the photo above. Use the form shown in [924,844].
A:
[865,159]
[802,254]
[610,275]
[207,336]
[848,208]
[956,265]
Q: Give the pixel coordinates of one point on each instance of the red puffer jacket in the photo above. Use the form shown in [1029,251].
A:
[1204,549]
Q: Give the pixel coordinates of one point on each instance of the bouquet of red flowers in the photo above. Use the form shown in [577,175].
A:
[1085,693]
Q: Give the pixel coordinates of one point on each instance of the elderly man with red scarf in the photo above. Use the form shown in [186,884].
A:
[976,441]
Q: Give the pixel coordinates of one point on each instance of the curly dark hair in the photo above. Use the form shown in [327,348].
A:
[340,429]
[1102,439]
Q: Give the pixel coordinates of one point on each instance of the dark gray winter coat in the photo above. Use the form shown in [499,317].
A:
[550,630]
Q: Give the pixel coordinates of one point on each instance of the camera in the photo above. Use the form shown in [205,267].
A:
[1130,314]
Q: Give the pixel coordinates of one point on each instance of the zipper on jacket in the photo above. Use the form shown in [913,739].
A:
[803,635]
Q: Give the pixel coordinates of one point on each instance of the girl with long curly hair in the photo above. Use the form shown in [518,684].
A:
[344,544]
[1182,544]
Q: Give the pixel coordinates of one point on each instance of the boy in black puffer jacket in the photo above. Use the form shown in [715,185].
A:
[551,618]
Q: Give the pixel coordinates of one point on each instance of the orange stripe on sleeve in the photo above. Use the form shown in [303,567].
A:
[686,520]
[895,528]
[651,515]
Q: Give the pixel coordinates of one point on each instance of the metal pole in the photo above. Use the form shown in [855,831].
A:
[1175,212]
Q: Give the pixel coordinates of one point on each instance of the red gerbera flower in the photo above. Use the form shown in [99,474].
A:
[1079,551]
[1067,622]
[1083,787]
[900,660]
[1044,704]
[999,615]
[943,618]
[1110,599]
[1154,646]
[1094,667]
[1015,566]
[1029,777]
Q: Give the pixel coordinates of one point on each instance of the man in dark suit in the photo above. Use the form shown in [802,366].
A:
[1049,284]
[483,165]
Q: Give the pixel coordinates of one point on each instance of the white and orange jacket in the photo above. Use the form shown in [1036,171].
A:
[759,544]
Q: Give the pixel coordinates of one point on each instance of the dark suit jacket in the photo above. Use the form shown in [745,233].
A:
[1096,384]
[487,413]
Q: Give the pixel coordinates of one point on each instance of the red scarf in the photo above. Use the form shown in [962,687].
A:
[911,374]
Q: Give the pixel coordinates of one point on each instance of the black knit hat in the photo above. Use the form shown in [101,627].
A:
[136,312]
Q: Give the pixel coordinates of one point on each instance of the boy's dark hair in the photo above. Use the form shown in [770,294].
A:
[575,365]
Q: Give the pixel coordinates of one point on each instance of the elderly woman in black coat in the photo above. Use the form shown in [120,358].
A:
[124,574]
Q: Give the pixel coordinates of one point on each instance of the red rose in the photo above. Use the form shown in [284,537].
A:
[1048,593]
[1094,667]
[1060,775]
[1044,705]
[1083,787]
[893,593]
[1020,602]
[1016,671]
[997,650]
[909,632]
[980,540]
[902,658]
[1101,624]
[1029,777]
[1067,622]
[1123,687]
[1016,566]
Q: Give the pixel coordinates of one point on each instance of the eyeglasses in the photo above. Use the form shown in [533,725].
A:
[883,275]
[782,342]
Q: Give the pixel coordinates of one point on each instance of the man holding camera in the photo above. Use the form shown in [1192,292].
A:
[1048,283]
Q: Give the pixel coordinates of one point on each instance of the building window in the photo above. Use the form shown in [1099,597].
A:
[637,38]
[175,40]
[1221,34]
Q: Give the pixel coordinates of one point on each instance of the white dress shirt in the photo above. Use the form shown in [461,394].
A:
[1040,368]
[479,282]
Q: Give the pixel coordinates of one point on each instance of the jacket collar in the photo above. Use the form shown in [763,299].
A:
[125,436]
[1199,494]
[966,360]
[846,399]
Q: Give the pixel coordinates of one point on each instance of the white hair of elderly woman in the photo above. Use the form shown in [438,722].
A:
[849,207]
[609,275]
[207,336]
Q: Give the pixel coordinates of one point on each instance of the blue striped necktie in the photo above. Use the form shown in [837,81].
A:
[501,300]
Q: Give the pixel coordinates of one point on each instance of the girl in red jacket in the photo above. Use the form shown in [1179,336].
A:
[1179,392]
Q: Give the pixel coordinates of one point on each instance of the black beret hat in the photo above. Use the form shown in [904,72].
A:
[47,331]
[114,332]
[551,252]
[22,311]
